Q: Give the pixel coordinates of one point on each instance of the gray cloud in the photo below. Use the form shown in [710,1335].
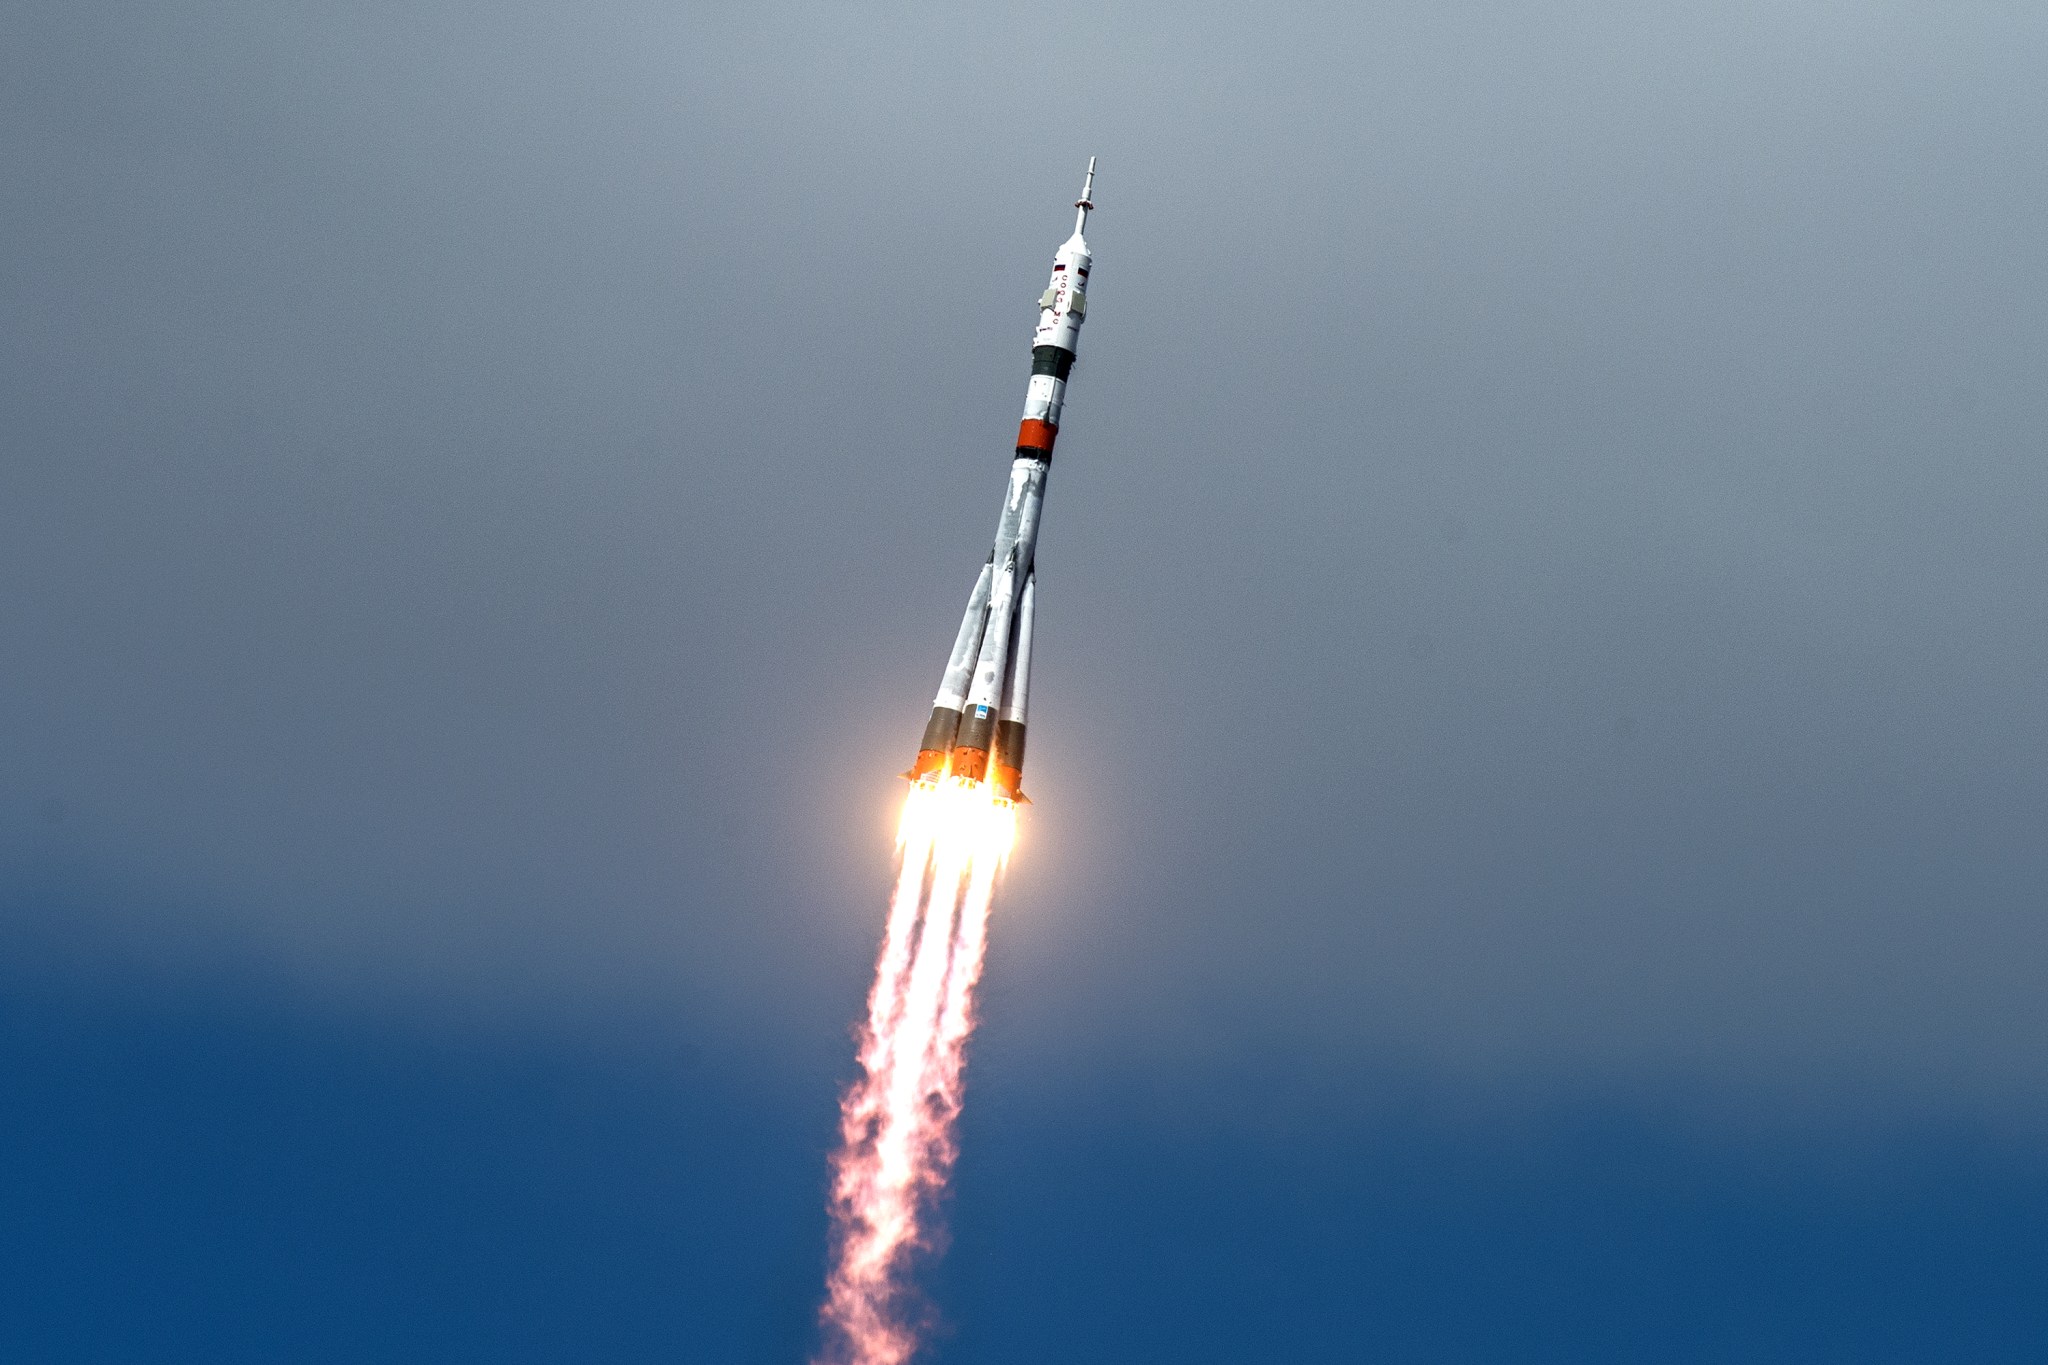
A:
[1544,571]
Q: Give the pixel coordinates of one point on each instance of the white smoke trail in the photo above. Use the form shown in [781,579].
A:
[897,1141]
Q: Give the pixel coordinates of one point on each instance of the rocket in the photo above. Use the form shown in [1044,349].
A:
[976,732]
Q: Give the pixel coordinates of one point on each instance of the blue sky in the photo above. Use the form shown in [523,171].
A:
[1537,735]
[224,1176]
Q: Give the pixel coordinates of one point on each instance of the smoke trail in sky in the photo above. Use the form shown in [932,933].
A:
[897,1140]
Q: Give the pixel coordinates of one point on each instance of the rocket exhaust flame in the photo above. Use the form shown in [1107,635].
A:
[896,1132]
[896,1137]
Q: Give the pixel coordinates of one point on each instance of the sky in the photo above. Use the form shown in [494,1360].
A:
[1538,751]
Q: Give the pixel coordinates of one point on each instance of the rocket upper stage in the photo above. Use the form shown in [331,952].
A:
[976,731]
[1062,309]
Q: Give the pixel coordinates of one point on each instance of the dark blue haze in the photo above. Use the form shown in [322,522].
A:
[230,1179]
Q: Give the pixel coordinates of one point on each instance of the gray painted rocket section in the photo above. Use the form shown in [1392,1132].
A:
[1017,690]
[967,644]
[1016,544]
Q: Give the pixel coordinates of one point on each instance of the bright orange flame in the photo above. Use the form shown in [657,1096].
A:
[896,1123]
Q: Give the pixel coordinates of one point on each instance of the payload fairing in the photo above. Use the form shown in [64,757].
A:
[976,732]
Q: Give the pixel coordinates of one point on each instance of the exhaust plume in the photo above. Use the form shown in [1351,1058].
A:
[896,1123]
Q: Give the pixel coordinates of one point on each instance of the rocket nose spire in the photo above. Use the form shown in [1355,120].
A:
[1087,199]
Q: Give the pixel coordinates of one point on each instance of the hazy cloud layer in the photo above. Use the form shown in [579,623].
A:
[1545,572]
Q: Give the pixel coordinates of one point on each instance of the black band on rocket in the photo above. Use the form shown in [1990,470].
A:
[1010,744]
[939,730]
[974,730]
[1053,360]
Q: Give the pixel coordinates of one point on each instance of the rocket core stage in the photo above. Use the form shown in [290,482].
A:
[976,732]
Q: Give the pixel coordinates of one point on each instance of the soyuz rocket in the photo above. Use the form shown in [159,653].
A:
[976,732]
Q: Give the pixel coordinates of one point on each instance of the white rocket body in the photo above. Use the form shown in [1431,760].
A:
[976,731]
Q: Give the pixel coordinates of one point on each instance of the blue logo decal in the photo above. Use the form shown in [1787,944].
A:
[980,711]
